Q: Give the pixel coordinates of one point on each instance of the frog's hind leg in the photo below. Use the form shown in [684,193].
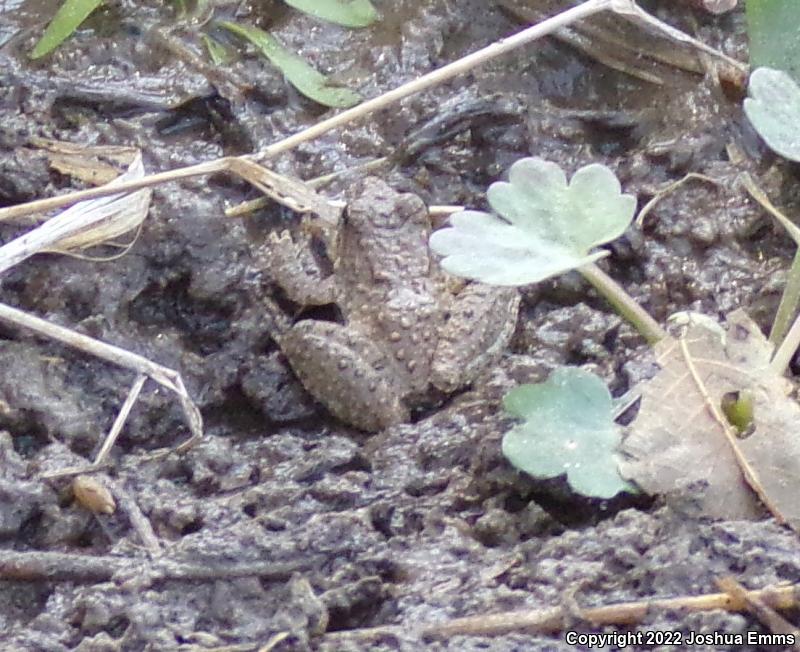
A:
[345,372]
[480,323]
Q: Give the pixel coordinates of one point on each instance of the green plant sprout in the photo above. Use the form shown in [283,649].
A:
[567,427]
[544,227]
[297,71]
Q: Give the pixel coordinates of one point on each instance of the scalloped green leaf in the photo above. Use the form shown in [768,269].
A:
[543,226]
[297,71]
[567,428]
[349,13]
[68,18]
[774,110]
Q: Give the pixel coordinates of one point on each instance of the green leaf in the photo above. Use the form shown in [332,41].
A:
[217,52]
[350,13]
[774,110]
[772,29]
[297,71]
[67,19]
[545,227]
[568,427]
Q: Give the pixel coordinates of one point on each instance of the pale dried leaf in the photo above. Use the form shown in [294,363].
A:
[86,224]
[293,193]
[675,440]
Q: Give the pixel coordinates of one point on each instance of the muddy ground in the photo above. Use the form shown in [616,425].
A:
[310,535]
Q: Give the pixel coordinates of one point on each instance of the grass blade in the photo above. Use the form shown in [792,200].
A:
[67,19]
[297,71]
[349,13]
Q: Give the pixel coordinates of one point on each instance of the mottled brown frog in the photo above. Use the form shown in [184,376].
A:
[403,329]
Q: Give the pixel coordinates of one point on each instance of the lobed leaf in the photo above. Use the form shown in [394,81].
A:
[543,226]
[774,110]
[568,428]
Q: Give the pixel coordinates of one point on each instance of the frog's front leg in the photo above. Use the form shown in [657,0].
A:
[293,267]
[480,322]
[345,372]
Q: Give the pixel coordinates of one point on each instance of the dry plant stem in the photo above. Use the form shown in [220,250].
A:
[139,521]
[670,188]
[615,294]
[237,647]
[425,82]
[790,300]
[119,422]
[776,623]
[783,356]
[761,197]
[436,77]
[554,619]
[274,641]
[164,376]
[51,203]
[111,437]
[66,567]
[750,476]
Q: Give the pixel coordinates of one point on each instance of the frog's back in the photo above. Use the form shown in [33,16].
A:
[383,239]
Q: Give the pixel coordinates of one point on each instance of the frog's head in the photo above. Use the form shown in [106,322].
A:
[374,206]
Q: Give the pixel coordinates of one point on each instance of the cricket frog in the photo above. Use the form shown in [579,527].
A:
[405,327]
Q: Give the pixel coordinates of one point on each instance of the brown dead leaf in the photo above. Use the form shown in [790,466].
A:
[681,437]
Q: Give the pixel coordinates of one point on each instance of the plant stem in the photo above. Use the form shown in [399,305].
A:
[791,293]
[623,303]
[780,361]
[787,309]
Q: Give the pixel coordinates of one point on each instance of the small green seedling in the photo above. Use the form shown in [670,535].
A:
[567,428]
[738,410]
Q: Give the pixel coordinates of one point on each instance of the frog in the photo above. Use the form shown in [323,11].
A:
[407,332]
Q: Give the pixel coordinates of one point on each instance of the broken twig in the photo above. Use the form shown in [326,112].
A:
[756,605]
[556,619]
[64,567]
